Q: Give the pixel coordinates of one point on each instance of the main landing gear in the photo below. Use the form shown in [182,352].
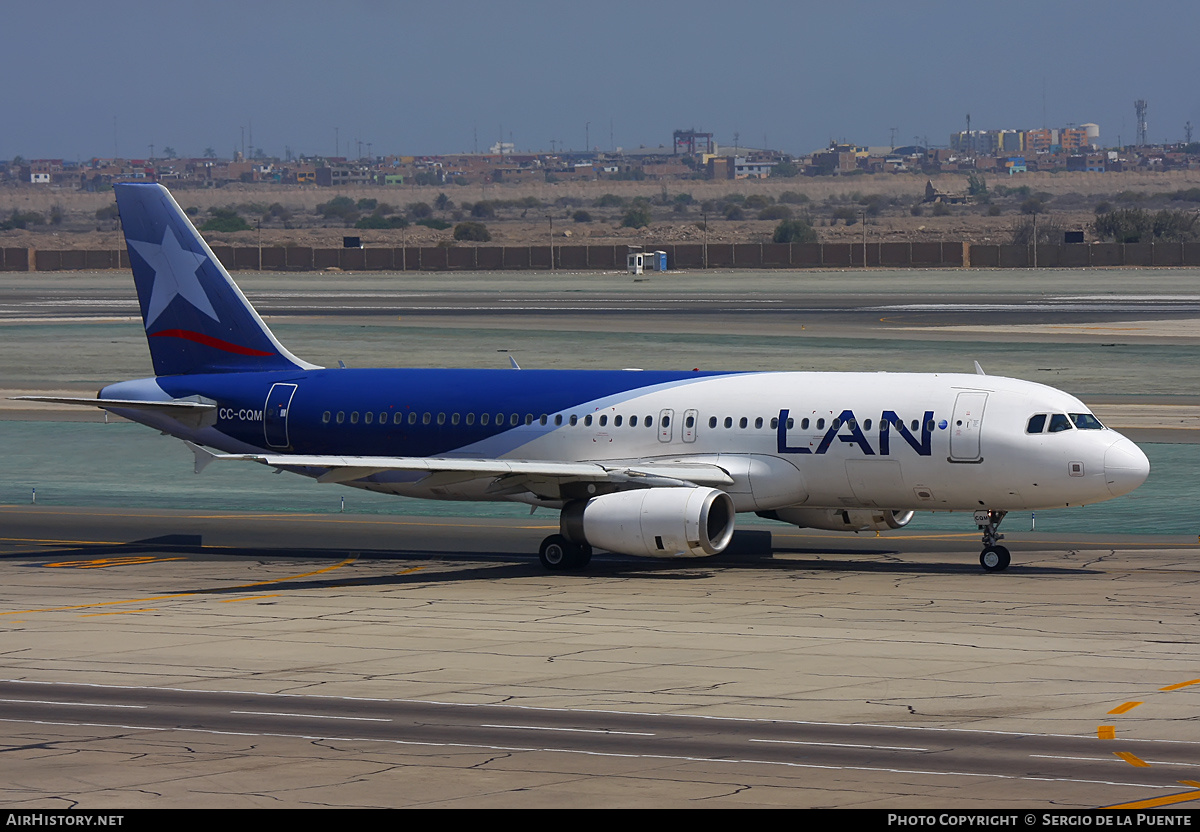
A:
[559,554]
[993,558]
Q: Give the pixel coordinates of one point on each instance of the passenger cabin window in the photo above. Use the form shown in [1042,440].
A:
[1086,421]
[1059,422]
[1037,423]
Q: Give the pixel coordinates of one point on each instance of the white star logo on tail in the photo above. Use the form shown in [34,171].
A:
[174,275]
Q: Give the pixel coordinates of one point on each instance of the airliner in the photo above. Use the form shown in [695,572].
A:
[654,464]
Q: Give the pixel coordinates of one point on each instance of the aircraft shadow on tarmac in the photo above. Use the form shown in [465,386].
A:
[521,564]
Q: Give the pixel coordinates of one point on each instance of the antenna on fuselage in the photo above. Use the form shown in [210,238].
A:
[979,370]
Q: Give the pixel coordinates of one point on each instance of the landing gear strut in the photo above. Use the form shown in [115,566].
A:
[993,558]
[559,554]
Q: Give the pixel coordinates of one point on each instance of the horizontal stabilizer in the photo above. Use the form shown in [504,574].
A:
[192,413]
[174,407]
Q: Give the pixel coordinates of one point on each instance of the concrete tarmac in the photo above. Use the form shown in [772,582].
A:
[177,659]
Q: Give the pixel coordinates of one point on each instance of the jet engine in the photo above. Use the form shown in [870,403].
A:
[654,522]
[841,520]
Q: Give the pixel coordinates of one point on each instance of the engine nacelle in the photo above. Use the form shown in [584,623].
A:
[654,522]
[841,520]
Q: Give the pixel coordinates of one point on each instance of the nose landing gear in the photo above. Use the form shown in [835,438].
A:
[993,558]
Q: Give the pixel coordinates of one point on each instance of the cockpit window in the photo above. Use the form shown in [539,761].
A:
[1037,423]
[1059,422]
[1086,421]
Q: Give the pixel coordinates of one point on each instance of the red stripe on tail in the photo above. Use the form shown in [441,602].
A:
[207,340]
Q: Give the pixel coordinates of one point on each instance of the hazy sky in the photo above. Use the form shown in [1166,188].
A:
[84,78]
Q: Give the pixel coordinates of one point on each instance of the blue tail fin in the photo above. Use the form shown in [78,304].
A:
[197,320]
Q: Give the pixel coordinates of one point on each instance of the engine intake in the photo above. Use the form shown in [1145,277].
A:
[654,522]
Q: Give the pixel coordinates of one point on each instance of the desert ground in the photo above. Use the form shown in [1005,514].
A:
[681,211]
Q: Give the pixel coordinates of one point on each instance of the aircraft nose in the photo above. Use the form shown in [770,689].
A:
[1125,467]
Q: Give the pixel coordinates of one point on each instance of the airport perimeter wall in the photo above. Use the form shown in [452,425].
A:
[686,256]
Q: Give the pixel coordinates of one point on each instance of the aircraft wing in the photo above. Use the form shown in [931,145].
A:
[546,478]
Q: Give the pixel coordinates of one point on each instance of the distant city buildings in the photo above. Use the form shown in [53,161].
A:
[691,155]
[1046,140]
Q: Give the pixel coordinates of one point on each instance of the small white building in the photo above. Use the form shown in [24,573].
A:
[638,261]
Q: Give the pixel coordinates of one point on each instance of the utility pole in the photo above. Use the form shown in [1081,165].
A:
[863,216]
[1035,240]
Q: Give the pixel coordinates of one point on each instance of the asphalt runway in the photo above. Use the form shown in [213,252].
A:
[254,659]
[175,659]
